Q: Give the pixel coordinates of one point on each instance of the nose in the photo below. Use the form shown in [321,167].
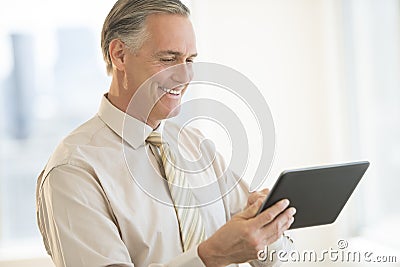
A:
[182,73]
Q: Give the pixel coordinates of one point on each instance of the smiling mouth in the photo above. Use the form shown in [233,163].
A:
[171,91]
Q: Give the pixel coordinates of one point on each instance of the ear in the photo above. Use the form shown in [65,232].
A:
[117,54]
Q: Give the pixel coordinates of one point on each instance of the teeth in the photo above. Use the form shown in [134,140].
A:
[170,91]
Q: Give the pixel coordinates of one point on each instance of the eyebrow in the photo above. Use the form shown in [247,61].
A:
[172,52]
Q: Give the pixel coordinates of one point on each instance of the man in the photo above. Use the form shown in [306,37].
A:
[94,204]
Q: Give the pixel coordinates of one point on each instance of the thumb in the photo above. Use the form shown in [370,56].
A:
[252,210]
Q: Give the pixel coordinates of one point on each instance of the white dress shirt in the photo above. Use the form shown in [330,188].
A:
[101,201]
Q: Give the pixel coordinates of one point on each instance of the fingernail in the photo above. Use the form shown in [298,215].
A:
[286,202]
[292,211]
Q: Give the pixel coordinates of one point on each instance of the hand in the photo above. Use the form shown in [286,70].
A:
[257,195]
[244,235]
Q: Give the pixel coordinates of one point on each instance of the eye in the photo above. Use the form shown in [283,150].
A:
[190,60]
[167,59]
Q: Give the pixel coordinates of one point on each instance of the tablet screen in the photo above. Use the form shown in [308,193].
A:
[319,193]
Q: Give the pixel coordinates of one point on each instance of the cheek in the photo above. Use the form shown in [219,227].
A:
[149,72]
[137,78]
[162,77]
[155,73]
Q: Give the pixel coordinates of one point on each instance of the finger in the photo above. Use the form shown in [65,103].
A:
[253,198]
[281,223]
[257,195]
[252,210]
[269,214]
[289,223]
[265,191]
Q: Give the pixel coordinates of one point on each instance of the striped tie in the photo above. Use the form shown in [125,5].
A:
[189,218]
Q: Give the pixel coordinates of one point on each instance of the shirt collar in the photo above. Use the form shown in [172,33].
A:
[160,127]
[130,129]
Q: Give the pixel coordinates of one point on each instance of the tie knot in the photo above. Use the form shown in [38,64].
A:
[155,139]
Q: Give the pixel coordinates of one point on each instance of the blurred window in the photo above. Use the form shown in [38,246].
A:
[372,60]
[51,81]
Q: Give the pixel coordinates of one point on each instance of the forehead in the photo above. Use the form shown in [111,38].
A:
[170,32]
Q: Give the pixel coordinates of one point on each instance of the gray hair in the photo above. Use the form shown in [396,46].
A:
[126,21]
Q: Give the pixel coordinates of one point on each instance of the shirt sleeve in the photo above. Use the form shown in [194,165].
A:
[76,222]
[78,225]
[188,258]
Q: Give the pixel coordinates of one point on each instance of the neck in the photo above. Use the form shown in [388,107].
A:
[117,95]
[121,97]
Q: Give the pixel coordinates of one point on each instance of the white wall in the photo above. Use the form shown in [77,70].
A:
[280,46]
[285,48]
[312,60]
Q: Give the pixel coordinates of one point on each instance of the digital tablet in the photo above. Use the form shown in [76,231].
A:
[318,193]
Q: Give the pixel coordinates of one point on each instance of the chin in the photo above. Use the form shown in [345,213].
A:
[175,112]
[172,112]
[167,112]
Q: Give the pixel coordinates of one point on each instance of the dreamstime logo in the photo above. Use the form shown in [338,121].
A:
[342,244]
[219,97]
[341,254]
